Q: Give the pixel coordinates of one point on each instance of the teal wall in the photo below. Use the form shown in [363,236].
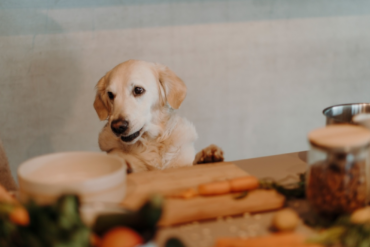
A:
[258,72]
[29,16]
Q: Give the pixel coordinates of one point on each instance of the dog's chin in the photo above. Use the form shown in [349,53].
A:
[131,138]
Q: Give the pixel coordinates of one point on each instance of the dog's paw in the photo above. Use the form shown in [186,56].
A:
[210,154]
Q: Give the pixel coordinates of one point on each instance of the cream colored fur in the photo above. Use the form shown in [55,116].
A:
[166,139]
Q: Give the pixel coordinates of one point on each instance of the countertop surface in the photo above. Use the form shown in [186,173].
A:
[275,166]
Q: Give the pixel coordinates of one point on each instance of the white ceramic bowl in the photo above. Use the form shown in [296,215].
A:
[96,177]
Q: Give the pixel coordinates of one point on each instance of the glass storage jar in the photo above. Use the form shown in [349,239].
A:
[338,173]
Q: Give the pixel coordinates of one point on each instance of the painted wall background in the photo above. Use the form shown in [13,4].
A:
[259,72]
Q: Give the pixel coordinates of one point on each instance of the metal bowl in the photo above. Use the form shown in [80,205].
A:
[343,113]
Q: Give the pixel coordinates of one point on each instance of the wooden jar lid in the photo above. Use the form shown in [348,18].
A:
[340,136]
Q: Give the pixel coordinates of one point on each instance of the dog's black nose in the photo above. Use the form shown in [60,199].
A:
[119,126]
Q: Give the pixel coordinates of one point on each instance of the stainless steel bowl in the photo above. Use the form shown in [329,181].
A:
[344,113]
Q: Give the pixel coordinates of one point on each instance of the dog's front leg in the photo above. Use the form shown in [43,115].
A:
[210,154]
[133,164]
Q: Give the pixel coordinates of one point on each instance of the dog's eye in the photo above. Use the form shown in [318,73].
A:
[111,95]
[138,90]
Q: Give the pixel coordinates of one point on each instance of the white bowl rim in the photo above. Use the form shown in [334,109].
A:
[92,185]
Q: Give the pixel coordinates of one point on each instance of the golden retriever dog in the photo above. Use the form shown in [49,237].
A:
[138,99]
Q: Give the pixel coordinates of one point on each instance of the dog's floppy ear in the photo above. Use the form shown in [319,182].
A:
[101,104]
[174,88]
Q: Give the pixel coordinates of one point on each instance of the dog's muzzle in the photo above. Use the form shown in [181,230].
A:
[131,137]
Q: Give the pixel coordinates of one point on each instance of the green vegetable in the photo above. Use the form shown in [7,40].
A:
[56,225]
[7,231]
[144,221]
[291,190]
[174,242]
[241,195]
[328,237]
[344,233]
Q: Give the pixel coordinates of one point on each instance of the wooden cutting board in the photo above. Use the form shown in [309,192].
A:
[176,211]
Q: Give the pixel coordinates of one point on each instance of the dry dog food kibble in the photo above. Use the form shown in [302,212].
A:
[337,185]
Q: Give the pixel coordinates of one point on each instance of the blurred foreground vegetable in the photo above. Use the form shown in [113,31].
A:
[144,221]
[344,233]
[361,216]
[174,242]
[121,237]
[19,216]
[285,220]
[52,225]
[60,224]
[276,239]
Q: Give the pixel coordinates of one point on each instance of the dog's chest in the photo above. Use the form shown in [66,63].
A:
[154,154]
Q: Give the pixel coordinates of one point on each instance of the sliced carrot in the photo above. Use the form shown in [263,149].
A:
[214,188]
[19,216]
[188,193]
[244,183]
[219,188]
[278,239]
[184,194]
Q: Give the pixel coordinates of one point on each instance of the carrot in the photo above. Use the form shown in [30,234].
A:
[185,194]
[219,188]
[244,183]
[278,239]
[214,188]
[121,237]
[19,216]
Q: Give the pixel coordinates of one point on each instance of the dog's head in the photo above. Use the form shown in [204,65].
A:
[129,94]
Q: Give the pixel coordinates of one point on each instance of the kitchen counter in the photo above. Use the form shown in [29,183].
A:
[203,234]
[275,166]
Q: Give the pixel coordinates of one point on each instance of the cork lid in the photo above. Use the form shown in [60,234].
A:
[341,136]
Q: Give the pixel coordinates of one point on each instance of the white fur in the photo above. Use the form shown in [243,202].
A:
[166,140]
[171,146]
